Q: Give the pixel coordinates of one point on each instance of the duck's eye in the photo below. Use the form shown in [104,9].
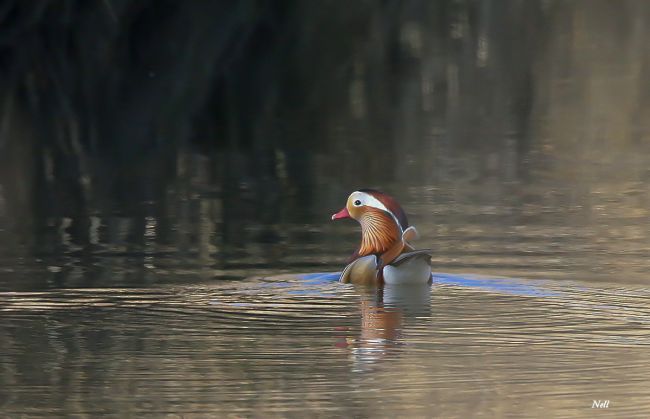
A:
[357,203]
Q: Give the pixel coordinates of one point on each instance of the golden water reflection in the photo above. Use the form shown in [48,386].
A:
[288,344]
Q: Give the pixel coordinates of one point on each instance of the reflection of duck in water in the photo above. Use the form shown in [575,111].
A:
[380,327]
[385,254]
[385,314]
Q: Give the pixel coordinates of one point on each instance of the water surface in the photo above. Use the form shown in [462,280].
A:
[292,344]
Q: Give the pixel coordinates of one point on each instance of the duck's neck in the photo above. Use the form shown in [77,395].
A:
[379,232]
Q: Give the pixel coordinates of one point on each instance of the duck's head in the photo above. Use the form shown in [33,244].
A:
[382,219]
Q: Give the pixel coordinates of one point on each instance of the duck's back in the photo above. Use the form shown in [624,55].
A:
[409,268]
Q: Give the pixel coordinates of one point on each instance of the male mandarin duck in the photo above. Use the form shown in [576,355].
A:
[385,254]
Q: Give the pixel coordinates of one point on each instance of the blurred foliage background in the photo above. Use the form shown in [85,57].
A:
[126,107]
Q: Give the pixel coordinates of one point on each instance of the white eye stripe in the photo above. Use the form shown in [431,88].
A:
[368,200]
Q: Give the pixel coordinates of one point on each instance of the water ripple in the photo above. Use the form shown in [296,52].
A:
[514,344]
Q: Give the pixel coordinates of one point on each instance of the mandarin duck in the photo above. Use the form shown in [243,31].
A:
[385,255]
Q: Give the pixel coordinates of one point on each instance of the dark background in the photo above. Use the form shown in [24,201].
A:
[261,116]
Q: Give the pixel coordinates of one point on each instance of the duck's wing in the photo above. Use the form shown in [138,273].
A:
[361,271]
[407,236]
[424,254]
[390,255]
[410,234]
